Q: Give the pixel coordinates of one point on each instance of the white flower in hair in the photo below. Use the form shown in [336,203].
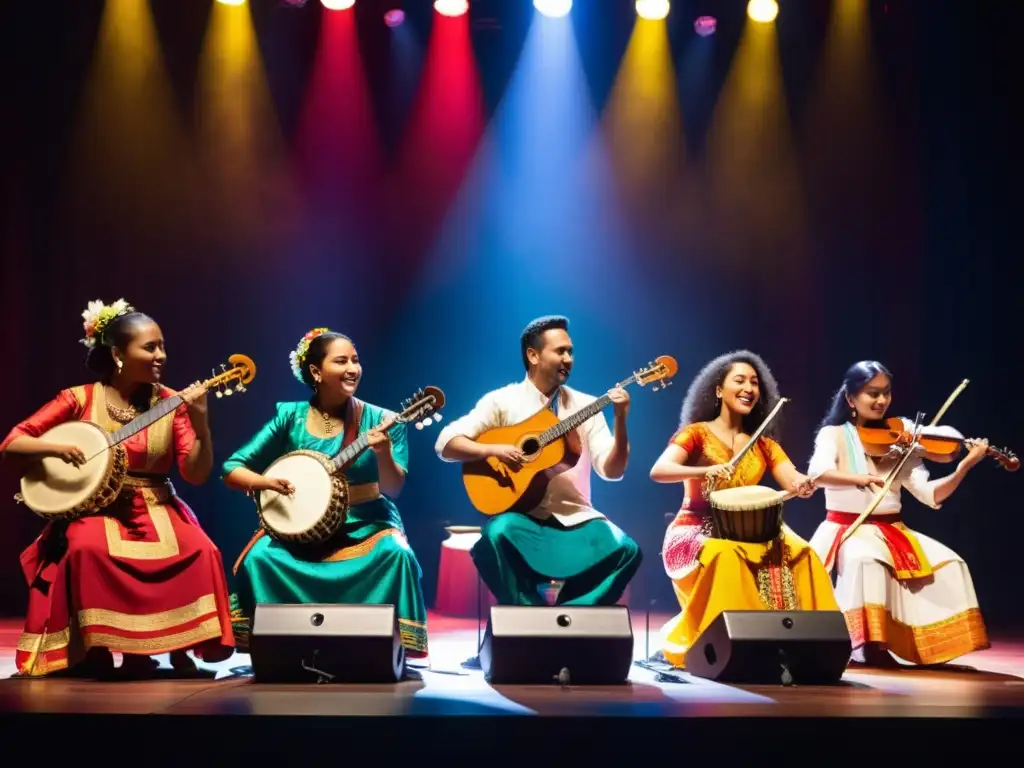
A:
[98,315]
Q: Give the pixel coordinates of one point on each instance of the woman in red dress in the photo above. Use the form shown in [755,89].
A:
[140,578]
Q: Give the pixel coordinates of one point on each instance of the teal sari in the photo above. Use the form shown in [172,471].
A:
[369,561]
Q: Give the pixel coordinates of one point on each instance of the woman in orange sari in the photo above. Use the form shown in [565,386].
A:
[725,404]
[140,578]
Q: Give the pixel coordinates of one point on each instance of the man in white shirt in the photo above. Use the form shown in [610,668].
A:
[563,541]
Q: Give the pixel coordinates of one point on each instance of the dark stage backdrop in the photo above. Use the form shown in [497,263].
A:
[369,185]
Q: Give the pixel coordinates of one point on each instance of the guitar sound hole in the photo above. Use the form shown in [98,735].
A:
[529,447]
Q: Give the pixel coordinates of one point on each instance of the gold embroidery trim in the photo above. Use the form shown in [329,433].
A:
[166,544]
[363,547]
[45,642]
[208,630]
[775,578]
[152,622]
[38,667]
[933,643]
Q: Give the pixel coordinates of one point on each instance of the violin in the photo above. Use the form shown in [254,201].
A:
[939,441]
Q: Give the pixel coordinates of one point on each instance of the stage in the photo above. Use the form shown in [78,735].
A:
[923,710]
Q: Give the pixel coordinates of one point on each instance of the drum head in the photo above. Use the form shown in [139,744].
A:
[744,497]
[53,486]
[298,513]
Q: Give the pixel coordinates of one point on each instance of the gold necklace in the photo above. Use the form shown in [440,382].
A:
[328,425]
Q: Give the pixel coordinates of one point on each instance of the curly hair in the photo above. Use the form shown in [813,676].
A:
[701,403]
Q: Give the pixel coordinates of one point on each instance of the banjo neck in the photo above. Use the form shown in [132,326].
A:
[351,452]
[139,423]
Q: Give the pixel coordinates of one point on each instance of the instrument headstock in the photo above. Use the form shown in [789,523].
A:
[1007,459]
[239,369]
[658,372]
[423,408]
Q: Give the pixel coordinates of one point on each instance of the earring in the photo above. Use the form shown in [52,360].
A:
[120,365]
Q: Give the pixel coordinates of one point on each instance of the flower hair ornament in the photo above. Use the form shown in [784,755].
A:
[97,317]
[298,355]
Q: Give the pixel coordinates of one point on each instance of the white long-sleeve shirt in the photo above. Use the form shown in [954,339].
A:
[914,476]
[568,495]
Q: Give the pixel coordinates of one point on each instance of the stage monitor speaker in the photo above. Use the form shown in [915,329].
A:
[771,647]
[565,644]
[326,644]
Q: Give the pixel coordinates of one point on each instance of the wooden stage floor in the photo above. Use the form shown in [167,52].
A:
[978,698]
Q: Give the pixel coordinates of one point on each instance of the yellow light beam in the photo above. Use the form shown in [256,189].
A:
[844,134]
[130,166]
[756,200]
[249,185]
[642,125]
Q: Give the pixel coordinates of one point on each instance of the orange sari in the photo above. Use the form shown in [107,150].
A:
[711,575]
[141,577]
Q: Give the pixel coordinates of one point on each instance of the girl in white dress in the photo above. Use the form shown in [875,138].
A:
[901,591]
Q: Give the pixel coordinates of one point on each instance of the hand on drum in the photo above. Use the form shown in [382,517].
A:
[69,454]
[278,484]
[379,441]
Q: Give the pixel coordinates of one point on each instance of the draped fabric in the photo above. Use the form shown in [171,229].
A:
[369,561]
[141,577]
[711,575]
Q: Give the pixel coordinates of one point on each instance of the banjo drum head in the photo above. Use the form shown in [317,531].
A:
[298,513]
[53,486]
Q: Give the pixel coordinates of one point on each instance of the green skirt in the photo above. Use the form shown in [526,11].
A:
[380,569]
[518,554]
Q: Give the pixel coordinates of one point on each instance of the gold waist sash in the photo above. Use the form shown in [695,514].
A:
[156,489]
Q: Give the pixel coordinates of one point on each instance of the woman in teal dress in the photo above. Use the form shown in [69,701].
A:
[369,560]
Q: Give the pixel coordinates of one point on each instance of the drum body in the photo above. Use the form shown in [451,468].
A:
[56,490]
[748,513]
[313,514]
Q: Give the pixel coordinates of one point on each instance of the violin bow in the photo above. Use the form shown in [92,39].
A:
[711,481]
[949,402]
[887,485]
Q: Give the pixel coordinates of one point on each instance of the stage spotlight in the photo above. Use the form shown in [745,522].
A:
[231,2]
[553,8]
[653,10]
[705,25]
[337,5]
[764,11]
[451,7]
[394,18]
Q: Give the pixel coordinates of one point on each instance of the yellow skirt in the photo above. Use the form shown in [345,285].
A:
[739,576]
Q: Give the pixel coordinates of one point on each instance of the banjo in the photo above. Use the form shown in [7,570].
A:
[313,514]
[56,490]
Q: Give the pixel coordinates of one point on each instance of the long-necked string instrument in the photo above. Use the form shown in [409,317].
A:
[887,485]
[56,490]
[710,483]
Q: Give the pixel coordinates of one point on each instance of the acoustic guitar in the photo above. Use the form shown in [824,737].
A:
[56,490]
[494,487]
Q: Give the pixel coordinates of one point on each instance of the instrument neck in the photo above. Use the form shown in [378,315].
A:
[352,451]
[139,423]
[568,424]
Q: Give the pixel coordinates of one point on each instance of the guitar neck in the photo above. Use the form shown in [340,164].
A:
[570,423]
[153,415]
[351,452]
